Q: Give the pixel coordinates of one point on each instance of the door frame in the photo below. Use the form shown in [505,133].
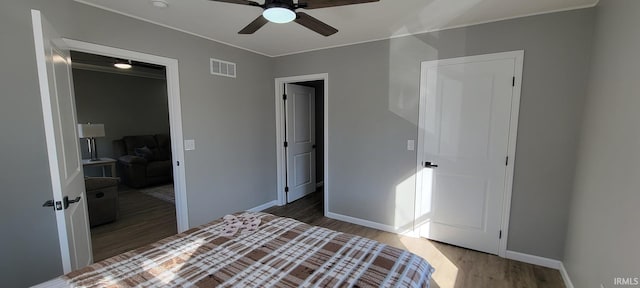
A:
[175,115]
[518,57]
[280,152]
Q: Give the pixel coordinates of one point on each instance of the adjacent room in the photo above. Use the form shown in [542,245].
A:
[319,143]
[128,102]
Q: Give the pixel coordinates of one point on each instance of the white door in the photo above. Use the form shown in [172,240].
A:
[67,178]
[465,120]
[301,139]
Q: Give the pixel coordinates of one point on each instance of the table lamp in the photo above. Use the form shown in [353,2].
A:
[90,132]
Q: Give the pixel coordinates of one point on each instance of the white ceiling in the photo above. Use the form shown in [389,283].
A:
[357,23]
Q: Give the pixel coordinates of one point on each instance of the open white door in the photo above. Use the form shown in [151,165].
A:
[466,110]
[301,139]
[67,178]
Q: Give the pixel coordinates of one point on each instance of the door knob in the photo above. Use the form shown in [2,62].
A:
[430,165]
[66,201]
[57,205]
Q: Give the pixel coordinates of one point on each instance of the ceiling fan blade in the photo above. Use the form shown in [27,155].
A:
[315,4]
[254,25]
[314,24]
[241,2]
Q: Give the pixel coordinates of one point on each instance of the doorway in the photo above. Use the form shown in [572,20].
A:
[134,204]
[56,91]
[301,133]
[466,149]
[175,114]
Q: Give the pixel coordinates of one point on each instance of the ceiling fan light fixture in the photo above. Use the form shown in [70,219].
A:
[278,14]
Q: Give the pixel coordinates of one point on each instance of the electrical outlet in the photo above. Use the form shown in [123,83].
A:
[411,145]
[189,144]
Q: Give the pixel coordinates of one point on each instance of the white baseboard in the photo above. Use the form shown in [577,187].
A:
[541,261]
[370,224]
[565,276]
[264,206]
[532,259]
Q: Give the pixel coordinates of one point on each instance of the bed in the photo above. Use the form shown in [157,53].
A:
[257,250]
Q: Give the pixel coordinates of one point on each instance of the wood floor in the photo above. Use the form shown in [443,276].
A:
[455,267]
[142,220]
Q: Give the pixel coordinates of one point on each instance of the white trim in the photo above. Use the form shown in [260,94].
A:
[175,115]
[518,57]
[264,206]
[340,45]
[565,276]
[279,83]
[511,150]
[439,29]
[533,259]
[371,224]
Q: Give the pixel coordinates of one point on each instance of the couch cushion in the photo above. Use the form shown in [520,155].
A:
[159,168]
[133,142]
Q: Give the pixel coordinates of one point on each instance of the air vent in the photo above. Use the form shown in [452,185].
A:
[223,68]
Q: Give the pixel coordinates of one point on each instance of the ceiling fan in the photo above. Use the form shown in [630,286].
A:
[284,11]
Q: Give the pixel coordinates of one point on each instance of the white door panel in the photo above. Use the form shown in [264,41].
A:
[465,128]
[300,135]
[67,179]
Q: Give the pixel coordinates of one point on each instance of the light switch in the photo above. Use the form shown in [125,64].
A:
[189,144]
[411,145]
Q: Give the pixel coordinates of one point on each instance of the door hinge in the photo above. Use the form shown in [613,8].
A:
[284,96]
[286,144]
[513,81]
[286,189]
[506,161]
[500,235]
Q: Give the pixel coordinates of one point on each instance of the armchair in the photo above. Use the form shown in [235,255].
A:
[144,160]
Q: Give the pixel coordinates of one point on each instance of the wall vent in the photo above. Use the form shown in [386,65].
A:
[223,68]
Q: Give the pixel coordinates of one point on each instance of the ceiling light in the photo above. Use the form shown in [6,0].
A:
[160,3]
[123,65]
[278,14]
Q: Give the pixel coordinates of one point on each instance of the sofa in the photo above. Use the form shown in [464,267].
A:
[144,160]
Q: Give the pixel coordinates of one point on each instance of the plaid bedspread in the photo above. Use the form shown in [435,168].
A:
[282,253]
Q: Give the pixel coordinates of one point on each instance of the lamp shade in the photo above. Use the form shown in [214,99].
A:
[90,130]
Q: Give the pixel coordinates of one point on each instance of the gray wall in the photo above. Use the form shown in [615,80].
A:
[125,104]
[603,236]
[29,242]
[230,119]
[373,110]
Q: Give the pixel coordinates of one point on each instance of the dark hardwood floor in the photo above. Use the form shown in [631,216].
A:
[142,220]
[455,266]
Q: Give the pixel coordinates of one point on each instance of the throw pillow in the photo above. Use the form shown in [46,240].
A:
[144,152]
